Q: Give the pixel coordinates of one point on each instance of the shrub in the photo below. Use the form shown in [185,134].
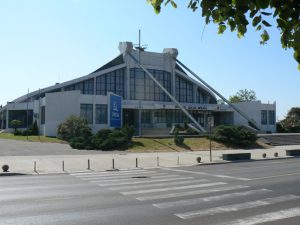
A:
[129,132]
[235,135]
[17,133]
[35,129]
[15,124]
[72,127]
[178,140]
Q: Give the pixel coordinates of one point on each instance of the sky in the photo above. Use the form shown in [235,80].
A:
[43,42]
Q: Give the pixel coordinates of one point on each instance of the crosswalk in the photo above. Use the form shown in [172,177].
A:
[192,196]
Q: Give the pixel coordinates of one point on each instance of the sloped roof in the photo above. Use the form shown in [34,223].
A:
[116,61]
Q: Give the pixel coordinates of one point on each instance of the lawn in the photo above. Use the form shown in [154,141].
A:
[31,138]
[190,144]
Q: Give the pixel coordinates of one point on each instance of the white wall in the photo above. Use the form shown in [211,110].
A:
[58,106]
[253,110]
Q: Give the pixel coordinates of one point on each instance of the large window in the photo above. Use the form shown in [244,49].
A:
[25,116]
[264,117]
[272,117]
[143,88]
[111,82]
[86,111]
[85,87]
[201,97]
[184,90]
[43,115]
[101,114]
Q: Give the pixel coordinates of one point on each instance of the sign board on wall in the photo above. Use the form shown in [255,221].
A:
[114,110]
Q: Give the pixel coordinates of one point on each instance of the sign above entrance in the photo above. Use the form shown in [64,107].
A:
[114,110]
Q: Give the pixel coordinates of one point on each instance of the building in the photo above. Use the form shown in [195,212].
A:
[145,105]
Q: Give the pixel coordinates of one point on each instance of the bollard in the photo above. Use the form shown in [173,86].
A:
[34,166]
[136,163]
[63,165]
[198,159]
[89,165]
[177,160]
[157,159]
[113,163]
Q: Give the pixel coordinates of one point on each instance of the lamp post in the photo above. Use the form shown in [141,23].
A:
[210,124]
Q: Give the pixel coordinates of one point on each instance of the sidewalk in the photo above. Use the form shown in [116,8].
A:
[104,161]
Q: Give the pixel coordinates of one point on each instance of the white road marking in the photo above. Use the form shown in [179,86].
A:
[187,193]
[267,217]
[158,185]
[116,175]
[208,174]
[236,207]
[172,188]
[143,181]
[129,180]
[194,201]
[106,172]
[275,176]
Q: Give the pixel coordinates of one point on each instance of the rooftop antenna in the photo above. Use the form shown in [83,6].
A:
[140,47]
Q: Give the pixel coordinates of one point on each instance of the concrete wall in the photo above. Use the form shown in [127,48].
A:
[253,110]
[58,106]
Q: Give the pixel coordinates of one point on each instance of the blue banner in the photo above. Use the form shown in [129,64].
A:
[115,111]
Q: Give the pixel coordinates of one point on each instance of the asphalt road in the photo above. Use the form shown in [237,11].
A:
[262,192]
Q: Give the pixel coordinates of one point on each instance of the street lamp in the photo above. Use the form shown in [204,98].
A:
[210,119]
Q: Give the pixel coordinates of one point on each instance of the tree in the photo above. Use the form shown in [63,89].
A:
[243,95]
[15,124]
[291,123]
[237,14]
[74,127]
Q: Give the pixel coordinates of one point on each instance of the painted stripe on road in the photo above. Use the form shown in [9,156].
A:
[236,207]
[275,176]
[130,181]
[172,188]
[194,201]
[159,184]
[267,217]
[115,181]
[105,172]
[208,174]
[116,175]
[187,193]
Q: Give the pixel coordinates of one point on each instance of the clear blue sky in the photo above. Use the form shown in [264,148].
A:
[49,41]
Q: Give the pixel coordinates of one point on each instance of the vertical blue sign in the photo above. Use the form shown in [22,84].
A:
[115,110]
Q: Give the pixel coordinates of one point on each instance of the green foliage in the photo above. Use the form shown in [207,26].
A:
[235,135]
[243,95]
[35,129]
[73,127]
[15,124]
[291,123]
[128,131]
[178,140]
[237,14]
[106,139]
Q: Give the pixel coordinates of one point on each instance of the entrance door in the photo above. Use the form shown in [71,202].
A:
[128,117]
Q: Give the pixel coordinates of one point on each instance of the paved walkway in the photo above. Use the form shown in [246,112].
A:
[33,158]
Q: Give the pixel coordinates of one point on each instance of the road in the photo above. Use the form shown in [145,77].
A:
[261,192]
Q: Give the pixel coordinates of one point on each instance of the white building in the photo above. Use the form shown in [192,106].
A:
[144,105]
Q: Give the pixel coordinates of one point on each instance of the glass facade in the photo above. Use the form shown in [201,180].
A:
[264,117]
[272,117]
[111,82]
[22,115]
[43,114]
[143,88]
[101,114]
[85,87]
[86,111]
[201,97]
[184,90]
